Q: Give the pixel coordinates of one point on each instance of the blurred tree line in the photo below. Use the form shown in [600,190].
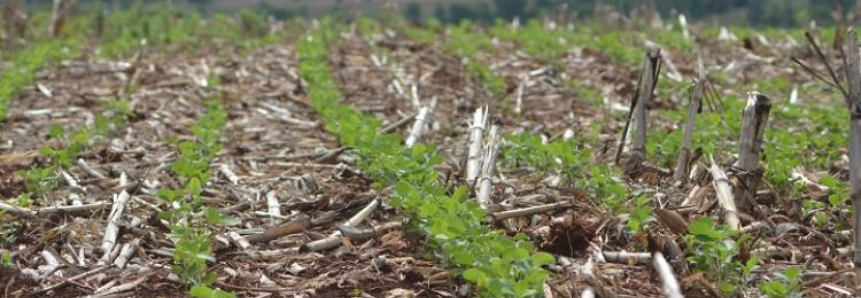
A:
[782,13]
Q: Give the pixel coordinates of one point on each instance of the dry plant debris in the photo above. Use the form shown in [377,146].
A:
[380,159]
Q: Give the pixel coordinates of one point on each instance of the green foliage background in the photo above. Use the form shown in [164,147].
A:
[760,13]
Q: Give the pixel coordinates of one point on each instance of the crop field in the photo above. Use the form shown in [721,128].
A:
[158,152]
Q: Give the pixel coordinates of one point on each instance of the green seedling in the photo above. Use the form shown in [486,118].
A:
[41,180]
[713,251]
[192,239]
[835,210]
[466,43]
[6,264]
[25,63]
[571,162]
[6,260]
[605,189]
[199,291]
[638,219]
[787,285]
[501,266]
[562,156]
[10,232]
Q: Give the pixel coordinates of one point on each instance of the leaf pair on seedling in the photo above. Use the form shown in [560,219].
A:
[191,237]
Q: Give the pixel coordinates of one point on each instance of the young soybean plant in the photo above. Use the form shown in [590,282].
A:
[787,284]
[499,265]
[26,63]
[41,180]
[712,250]
[852,97]
[191,236]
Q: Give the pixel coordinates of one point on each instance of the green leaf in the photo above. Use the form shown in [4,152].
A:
[24,200]
[194,186]
[47,151]
[703,227]
[542,258]
[170,195]
[835,200]
[520,237]
[750,265]
[200,291]
[476,276]
[208,279]
[463,258]
[829,181]
[519,254]
[56,131]
[792,273]
[7,259]
[80,138]
[774,289]
[101,125]
[428,210]
[215,217]
[727,288]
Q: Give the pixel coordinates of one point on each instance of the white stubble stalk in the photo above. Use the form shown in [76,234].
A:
[473,162]
[723,190]
[485,183]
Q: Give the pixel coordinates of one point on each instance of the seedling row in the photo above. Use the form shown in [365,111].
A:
[158,152]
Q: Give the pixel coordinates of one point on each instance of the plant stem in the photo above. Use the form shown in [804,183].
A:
[479,121]
[636,152]
[754,121]
[723,189]
[683,163]
[670,284]
[853,70]
[488,166]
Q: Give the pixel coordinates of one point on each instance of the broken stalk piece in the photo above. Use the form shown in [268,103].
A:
[419,125]
[853,70]
[113,227]
[398,124]
[723,190]
[89,170]
[626,257]
[296,225]
[683,164]
[473,161]
[335,238]
[670,284]
[634,139]
[488,166]
[754,121]
[531,210]
[59,14]
[359,234]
